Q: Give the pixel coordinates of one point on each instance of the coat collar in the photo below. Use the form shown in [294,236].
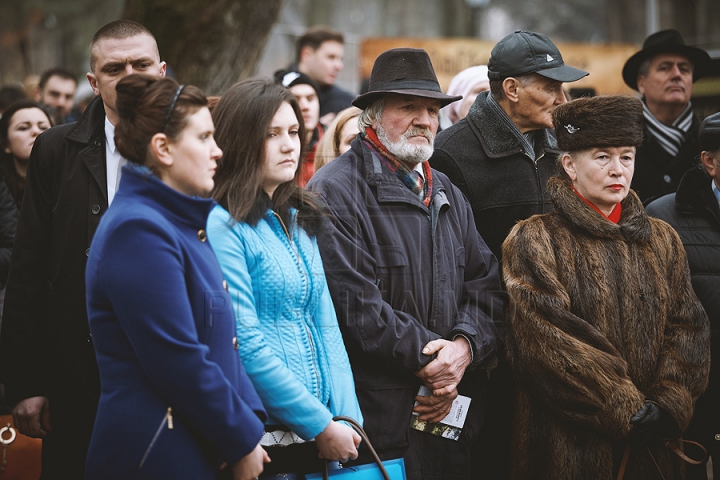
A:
[91,126]
[140,183]
[495,138]
[695,196]
[389,187]
[634,223]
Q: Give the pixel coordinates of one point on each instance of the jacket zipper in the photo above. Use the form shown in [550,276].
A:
[167,420]
[297,259]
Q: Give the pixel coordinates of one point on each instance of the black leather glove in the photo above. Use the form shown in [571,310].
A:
[651,421]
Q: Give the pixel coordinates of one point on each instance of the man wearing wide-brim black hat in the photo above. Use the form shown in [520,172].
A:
[414,285]
[664,72]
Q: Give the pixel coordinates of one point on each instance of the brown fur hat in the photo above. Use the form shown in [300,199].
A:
[603,121]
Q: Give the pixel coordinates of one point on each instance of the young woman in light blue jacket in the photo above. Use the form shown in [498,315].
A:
[263,233]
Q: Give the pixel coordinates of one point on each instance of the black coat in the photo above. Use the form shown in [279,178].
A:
[485,160]
[45,346]
[693,212]
[400,275]
[8,224]
[657,172]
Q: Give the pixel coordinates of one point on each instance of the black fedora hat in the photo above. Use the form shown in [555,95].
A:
[406,71]
[665,41]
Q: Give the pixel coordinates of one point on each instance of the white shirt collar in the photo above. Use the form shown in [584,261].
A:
[110,135]
[716,191]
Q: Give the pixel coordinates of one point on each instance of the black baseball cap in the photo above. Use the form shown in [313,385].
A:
[523,53]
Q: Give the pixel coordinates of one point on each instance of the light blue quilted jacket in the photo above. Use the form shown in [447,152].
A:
[289,340]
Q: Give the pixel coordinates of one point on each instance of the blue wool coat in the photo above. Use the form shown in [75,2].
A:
[290,342]
[175,398]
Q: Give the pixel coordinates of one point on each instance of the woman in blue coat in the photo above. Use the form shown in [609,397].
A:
[263,232]
[175,400]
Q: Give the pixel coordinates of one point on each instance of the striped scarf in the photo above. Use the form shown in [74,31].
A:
[670,137]
[410,178]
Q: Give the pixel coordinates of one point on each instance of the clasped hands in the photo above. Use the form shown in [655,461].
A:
[442,376]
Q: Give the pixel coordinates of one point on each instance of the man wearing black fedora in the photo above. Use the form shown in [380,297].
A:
[413,283]
[663,72]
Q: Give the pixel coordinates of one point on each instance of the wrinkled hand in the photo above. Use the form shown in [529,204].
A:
[651,421]
[251,465]
[443,374]
[434,408]
[32,417]
[338,442]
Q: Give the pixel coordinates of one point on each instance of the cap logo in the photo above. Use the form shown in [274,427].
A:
[571,129]
[289,78]
[549,58]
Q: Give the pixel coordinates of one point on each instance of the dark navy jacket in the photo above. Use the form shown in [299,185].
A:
[402,274]
[163,330]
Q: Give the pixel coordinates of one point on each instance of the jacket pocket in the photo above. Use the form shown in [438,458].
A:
[391,265]
[167,423]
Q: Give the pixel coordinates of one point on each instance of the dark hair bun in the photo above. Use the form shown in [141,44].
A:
[130,91]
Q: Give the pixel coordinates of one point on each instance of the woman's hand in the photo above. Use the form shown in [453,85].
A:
[251,465]
[338,443]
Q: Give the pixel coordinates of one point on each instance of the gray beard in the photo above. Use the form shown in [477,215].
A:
[403,150]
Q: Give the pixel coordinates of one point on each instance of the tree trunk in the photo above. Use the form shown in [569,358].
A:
[208,43]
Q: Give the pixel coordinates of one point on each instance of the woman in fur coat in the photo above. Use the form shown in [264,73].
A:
[608,343]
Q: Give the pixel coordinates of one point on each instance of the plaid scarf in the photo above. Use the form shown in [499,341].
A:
[410,178]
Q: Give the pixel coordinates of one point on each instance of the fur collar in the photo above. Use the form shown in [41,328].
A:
[495,136]
[634,223]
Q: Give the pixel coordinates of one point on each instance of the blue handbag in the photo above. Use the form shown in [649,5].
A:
[387,470]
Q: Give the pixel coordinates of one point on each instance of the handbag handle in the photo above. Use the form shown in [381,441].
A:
[356,426]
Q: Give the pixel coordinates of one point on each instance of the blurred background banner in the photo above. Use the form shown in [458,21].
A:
[214,43]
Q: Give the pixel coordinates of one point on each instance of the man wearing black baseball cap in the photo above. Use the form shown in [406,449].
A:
[501,156]
[414,286]
[664,72]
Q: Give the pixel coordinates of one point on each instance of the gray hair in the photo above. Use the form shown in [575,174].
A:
[496,88]
[371,114]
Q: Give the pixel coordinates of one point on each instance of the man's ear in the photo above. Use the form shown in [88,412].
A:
[305,52]
[93,83]
[511,86]
[160,148]
[708,162]
[163,69]
[641,84]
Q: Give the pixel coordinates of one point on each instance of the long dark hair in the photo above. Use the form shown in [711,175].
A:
[15,183]
[148,105]
[242,118]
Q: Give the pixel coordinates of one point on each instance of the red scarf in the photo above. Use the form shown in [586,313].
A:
[409,177]
[614,215]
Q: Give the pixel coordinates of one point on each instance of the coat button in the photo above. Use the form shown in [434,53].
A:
[236,344]
[225,286]
[95,209]
[87,252]
[98,143]
[717,437]
[202,236]
[667,178]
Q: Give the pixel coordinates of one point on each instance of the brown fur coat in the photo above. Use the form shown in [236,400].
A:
[602,317]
